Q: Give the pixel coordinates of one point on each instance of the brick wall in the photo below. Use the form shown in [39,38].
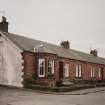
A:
[29,64]
[47,80]
[31,68]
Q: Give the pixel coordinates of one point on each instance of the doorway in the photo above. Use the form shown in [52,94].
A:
[102,74]
[61,66]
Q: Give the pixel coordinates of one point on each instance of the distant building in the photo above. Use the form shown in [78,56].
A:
[23,58]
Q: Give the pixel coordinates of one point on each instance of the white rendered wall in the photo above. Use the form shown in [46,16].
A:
[10,63]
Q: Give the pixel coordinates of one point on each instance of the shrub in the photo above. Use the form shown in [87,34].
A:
[59,83]
[29,82]
[58,89]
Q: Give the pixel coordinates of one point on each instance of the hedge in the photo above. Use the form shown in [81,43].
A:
[58,89]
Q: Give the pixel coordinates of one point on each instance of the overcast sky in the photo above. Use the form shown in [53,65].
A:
[82,22]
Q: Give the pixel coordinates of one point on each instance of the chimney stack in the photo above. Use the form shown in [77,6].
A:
[4,24]
[94,52]
[65,44]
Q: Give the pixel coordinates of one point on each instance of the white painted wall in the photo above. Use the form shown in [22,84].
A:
[10,63]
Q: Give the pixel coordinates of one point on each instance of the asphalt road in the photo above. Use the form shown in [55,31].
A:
[23,97]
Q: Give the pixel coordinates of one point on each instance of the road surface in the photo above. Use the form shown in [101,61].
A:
[23,97]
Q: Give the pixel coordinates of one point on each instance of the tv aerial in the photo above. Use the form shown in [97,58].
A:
[2,14]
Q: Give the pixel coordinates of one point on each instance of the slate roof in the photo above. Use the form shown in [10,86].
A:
[28,44]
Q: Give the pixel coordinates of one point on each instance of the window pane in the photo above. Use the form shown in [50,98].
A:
[41,70]
[66,69]
[91,74]
[76,70]
[80,70]
[99,72]
[51,66]
[93,71]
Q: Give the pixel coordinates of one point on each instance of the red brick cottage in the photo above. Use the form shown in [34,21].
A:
[23,58]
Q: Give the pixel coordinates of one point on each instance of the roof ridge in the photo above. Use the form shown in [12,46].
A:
[28,44]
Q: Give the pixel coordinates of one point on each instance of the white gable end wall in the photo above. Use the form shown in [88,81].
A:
[10,63]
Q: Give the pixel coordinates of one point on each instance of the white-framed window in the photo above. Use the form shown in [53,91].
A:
[79,70]
[92,74]
[41,67]
[50,66]
[99,72]
[66,70]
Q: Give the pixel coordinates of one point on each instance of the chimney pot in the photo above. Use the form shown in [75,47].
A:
[65,44]
[3,19]
[94,52]
[4,24]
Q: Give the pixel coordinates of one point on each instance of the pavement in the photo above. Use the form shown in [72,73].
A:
[84,91]
[94,96]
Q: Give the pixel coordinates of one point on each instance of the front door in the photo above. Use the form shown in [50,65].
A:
[61,70]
